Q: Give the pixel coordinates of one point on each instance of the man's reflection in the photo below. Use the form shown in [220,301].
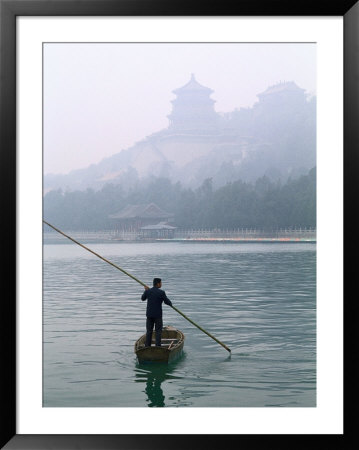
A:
[154,375]
[155,396]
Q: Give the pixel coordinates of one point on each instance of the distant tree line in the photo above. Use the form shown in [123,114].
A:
[263,204]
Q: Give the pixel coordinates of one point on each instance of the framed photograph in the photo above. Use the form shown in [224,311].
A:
[226,128]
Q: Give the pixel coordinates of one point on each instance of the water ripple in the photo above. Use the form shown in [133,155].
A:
[259,299]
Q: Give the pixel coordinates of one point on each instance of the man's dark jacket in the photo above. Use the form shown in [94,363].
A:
[155,296]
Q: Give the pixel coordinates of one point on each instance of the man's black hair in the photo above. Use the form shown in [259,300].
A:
[156,281]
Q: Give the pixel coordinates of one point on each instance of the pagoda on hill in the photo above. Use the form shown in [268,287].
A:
[193,109]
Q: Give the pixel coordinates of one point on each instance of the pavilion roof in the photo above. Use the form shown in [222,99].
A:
[144,211]
[159,226]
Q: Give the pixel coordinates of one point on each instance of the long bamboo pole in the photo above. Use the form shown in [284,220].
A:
[94,253]
[202,329]
[136,279]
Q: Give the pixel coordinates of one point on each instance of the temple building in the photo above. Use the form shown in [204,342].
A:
[283,93]
[135,217]
[195,130]
[193,109]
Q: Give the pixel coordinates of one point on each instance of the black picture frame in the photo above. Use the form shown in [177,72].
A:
[9,10]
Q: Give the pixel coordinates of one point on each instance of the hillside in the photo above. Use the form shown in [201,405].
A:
[276,138]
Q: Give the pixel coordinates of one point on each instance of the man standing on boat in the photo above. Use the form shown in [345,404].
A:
[154,296]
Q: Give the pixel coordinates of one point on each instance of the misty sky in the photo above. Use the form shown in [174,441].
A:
[102,98]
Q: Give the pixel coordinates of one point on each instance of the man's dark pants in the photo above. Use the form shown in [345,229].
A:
[157,323]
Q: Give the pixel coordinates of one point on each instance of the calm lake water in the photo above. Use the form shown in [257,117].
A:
[258,299]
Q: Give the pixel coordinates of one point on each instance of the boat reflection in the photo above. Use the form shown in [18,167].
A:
[154,375]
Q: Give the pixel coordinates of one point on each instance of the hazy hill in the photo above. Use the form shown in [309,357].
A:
[276,138]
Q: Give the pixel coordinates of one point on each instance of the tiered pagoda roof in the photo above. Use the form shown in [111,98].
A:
[193,86]
[193,109]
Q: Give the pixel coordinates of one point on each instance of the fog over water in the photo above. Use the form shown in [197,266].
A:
[102,98]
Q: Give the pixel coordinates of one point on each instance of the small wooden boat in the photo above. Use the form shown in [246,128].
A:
[171,347]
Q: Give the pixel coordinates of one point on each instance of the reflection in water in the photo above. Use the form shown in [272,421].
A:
[154,375]
[153,389]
